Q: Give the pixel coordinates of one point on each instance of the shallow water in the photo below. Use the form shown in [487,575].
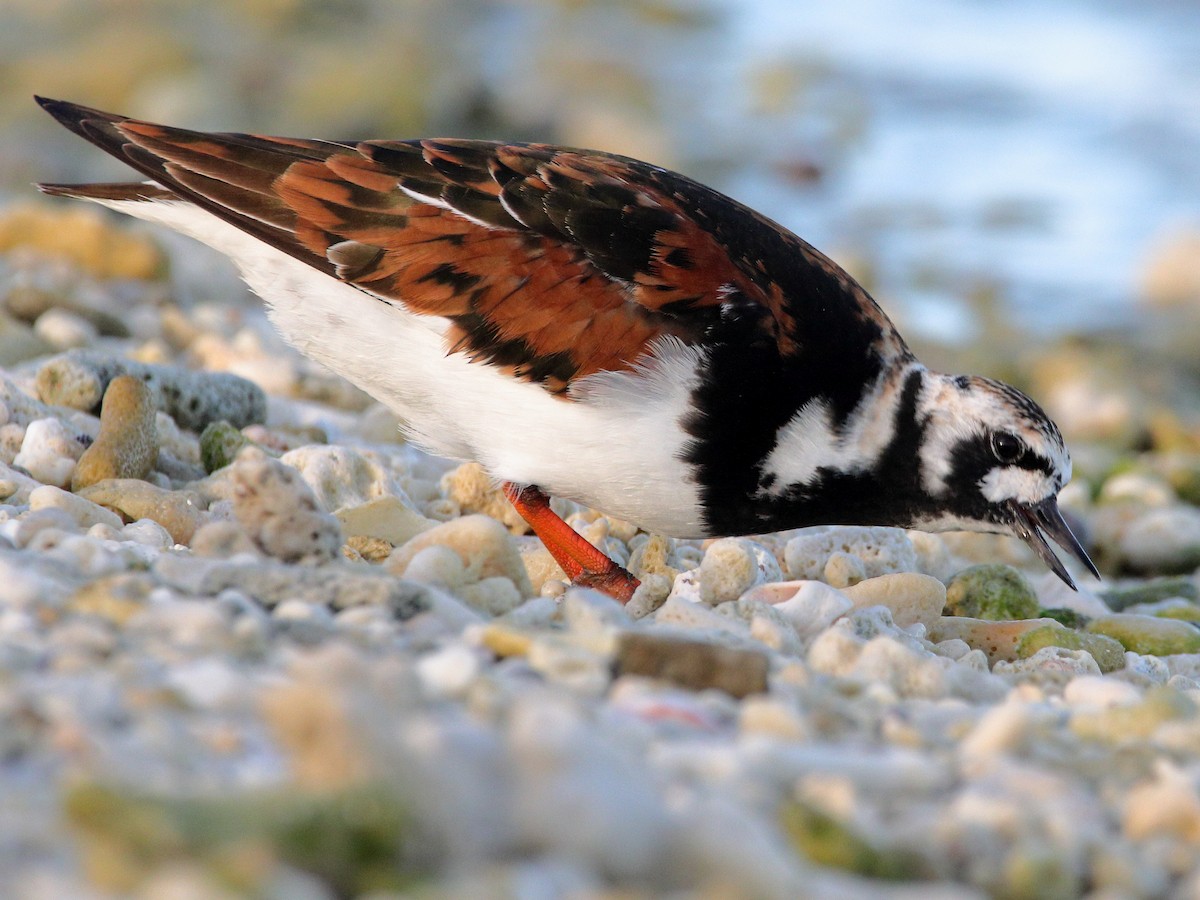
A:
[1044,147]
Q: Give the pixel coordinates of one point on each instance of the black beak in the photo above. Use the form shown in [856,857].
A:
[1029,522]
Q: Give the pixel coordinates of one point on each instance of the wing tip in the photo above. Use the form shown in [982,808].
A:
[66,113]
[58,190]
[137,191]
[92,124]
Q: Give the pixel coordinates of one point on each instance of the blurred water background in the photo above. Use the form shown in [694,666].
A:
[1027,165]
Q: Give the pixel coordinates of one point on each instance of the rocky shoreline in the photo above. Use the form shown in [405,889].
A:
[251,643]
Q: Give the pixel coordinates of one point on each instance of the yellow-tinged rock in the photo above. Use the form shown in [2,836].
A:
[540,566]
[475,491]
[912,598]
[116,598]
[1169,805]
[83,236]
[127,445]
[385,517]
[505,641]
[1138,721]
[652,558]
[366,549]
[484,545]
[311,722]
[1149,635]
[1107,652]
[180,512]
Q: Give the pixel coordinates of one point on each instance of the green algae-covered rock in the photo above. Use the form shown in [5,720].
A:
[1107,652]
[1036,870]
[1128,723]
[351,841]
[998,640]
[1149,635]
[1150,591]
[1179,609]
[1175,608]
[824,840]
[219,444]
[1064,616]
[995,592]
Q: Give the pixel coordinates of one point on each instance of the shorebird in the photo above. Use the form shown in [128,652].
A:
[593,327]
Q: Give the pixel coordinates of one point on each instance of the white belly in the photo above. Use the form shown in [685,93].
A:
[616,447]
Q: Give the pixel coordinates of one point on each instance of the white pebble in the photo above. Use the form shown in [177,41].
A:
[731,566]
[649,595]
[881,550]
[104,532]
[302,611]
[1098,692]
[341,477]
[448,671]
[694,615]
[586,610]
[1052,593]
[686,586]
[494,596]
[537,612]
[954,648]
[1153,668]
[86,513]
[770,716]
[835,650]
[810,606]
[64,329]
[1166,538]
[437,564]
[49,452]
[580,669]
[616,817]
[1002,729]
[206,683]
[1146,489]
[183,624]
[1169,805]
[12,436]
[22,531]
[909,672]
[768,626]
[148,533]
[1051,661]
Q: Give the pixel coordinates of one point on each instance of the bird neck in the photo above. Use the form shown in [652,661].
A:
[862,468]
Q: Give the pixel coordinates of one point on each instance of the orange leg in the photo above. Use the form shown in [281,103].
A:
[584,564]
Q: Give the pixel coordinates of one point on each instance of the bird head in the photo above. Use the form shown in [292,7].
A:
[994,461]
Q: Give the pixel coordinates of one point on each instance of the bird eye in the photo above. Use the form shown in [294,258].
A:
[1007,447]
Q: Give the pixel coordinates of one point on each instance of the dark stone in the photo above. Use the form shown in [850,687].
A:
[694,665]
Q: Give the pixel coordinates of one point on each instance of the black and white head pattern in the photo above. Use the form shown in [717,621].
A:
[985,446]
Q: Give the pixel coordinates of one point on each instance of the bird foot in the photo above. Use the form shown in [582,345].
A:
[585,565]
[616,582]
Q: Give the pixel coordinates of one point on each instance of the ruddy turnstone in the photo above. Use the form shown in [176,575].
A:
[598,328]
